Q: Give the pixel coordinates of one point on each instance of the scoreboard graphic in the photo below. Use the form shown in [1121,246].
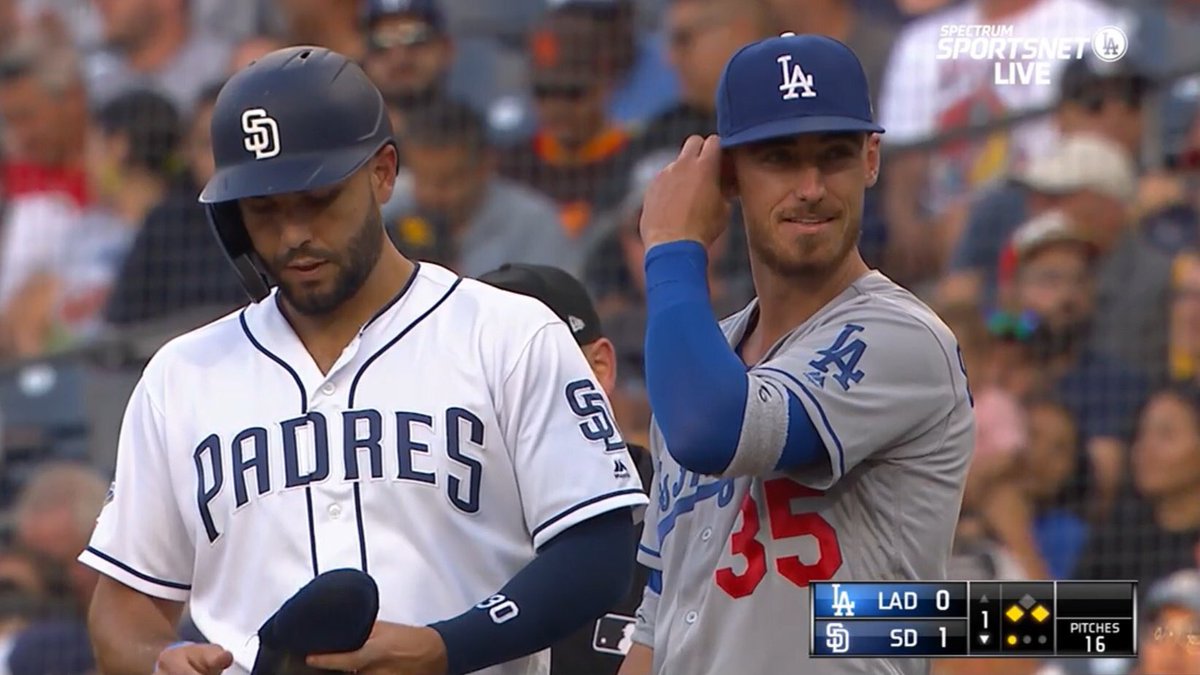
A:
[969,618]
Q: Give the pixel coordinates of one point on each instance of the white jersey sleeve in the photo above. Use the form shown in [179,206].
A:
[156,556]
[571,460]
[870,380]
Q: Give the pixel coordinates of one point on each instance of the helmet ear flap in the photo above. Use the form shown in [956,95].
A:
[226,221]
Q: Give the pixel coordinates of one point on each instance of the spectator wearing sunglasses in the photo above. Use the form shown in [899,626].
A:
[578,156]
[409,53]
[416,60]
[1053,285]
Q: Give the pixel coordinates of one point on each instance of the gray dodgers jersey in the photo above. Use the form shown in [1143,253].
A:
[882,379]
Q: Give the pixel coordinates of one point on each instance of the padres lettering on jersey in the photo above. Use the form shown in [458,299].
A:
[879,375]
[459,431]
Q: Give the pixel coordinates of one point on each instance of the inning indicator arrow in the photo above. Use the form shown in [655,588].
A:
[983,638]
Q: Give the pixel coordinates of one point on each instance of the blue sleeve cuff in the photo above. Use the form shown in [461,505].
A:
[697,385]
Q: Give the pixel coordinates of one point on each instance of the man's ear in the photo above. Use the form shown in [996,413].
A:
[873,159]
[602,356]
[383,178]
[729,186]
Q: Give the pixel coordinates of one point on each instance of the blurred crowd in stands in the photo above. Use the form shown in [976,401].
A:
[1054,227]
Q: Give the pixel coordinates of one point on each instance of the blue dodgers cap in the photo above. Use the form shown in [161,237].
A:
[792,84]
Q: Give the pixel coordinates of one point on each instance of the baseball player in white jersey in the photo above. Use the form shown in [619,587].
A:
[442,435]
[823,432]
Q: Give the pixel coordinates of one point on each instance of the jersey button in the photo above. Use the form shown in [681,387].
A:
[335,511]
[706,534]
[690,617]
[328,389]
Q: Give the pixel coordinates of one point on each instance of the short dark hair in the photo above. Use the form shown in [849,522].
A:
[445,122]
[152,125]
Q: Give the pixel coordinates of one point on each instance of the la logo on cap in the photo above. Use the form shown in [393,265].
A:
[794,79]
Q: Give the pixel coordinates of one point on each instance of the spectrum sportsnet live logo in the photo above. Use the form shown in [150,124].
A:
[1025,60]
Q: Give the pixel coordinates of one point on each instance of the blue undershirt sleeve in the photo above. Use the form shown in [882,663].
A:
[592,561]
[699,389]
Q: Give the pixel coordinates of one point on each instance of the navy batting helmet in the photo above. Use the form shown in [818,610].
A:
[299,118]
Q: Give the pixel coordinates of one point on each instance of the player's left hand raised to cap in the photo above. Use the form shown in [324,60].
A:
[684,202]
[393,649]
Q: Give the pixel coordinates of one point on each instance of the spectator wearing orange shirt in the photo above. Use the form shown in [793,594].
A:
[578,155]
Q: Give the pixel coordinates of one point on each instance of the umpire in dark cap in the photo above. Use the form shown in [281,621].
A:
[597,649]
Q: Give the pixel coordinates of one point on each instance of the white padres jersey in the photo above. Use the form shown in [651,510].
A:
[458,432]
[880,376]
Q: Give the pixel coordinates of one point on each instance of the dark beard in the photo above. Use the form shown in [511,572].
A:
[365,249]
[781,265]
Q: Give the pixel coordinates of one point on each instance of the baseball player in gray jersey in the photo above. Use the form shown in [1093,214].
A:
[823,432]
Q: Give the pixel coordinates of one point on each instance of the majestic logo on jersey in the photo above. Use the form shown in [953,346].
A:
[619,469]
[843,354]
[794,79]
[587,402]
[306,441]
[262,133]
[842,604]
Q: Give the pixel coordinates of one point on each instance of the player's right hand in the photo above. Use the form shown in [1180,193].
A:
[193,659]
[684,201]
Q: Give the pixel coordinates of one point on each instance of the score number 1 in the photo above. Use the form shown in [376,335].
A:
[907,637]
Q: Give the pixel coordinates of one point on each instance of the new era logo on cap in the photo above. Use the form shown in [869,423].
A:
[792,84]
